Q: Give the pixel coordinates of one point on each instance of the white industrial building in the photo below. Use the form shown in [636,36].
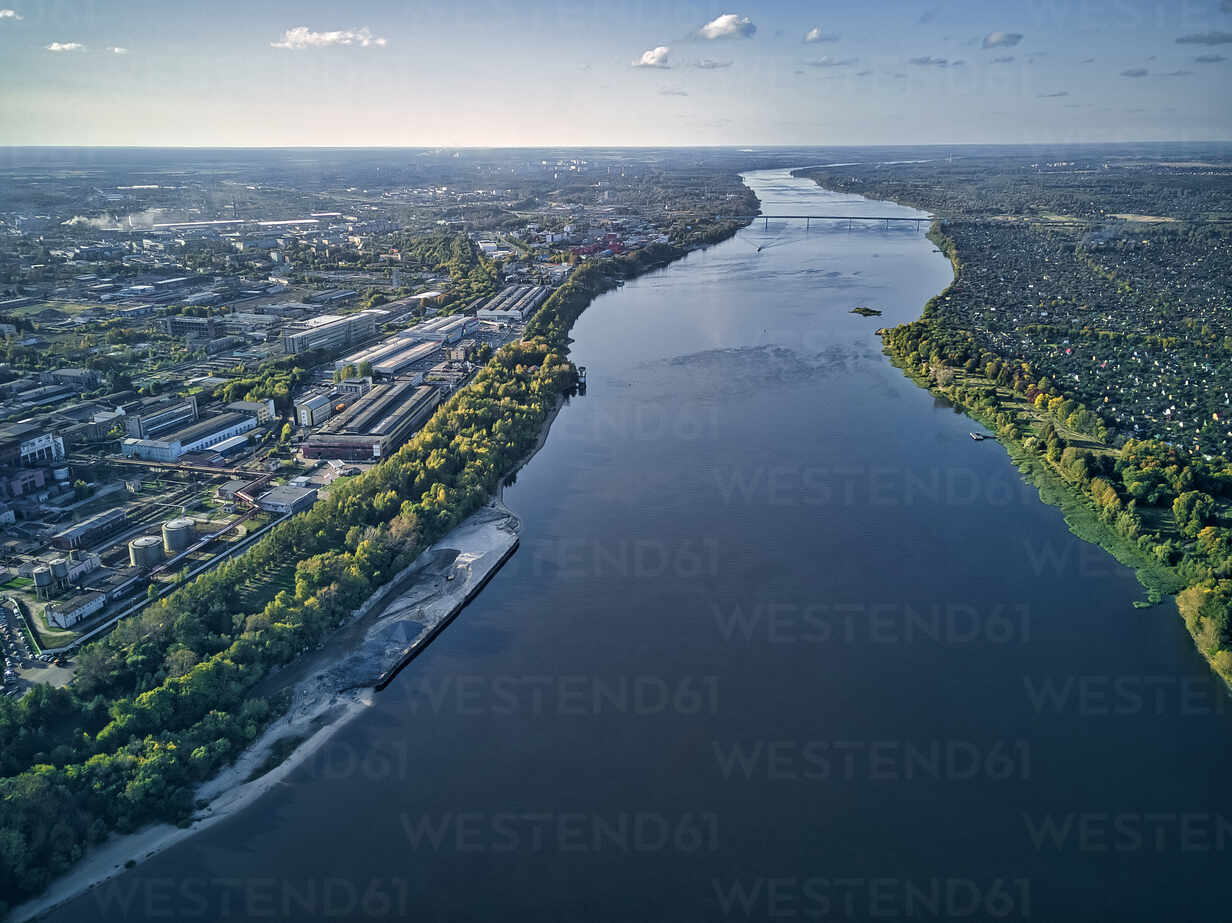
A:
[68,613]
[201,435]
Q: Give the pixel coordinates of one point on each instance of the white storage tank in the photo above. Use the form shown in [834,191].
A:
[59,568]
[179,534]
[42,577]
[145,551]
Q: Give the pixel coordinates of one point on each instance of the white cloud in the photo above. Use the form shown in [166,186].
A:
[301,37]
[65,46]
[816,35]
[10,14]
[115,49]
[655,57]
[928,61]
[710,64]
[729,25]
[1002,39]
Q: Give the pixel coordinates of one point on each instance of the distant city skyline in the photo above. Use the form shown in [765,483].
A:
[547,72]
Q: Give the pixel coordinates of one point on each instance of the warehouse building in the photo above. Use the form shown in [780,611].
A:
[372,354]
[441,329]
[287,499]
[399,362]
[201,435]
[376,424]
[514,304]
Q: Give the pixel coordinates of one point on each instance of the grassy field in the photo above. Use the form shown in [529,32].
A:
[67,307]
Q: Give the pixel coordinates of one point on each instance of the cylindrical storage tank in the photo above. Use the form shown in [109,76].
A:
[42,577]
[59,568]
[178,534]
[145,551]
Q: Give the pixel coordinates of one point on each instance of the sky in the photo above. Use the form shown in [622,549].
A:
[613,72]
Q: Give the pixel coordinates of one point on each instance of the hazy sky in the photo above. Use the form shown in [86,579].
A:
[613,72]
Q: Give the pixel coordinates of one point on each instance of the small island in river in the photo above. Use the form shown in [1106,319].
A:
[866,311]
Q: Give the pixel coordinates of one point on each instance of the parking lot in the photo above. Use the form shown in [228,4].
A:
[21,665]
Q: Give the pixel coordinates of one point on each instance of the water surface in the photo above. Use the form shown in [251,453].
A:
[775,644]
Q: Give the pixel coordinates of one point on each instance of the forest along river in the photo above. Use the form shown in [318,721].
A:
[780,639]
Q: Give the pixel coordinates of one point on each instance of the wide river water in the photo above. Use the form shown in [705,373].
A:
[780,640]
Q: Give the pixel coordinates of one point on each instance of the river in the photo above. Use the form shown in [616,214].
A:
[780,640]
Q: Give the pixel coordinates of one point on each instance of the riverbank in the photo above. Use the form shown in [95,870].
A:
[1080,514]
[435,588]
[1163,567]
[1072,464]
[379,637]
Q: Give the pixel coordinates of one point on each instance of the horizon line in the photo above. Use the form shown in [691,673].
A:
[749,147]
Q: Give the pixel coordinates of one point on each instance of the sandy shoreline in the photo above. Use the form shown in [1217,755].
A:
[434,588]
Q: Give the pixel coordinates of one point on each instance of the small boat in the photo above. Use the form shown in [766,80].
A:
[978,437]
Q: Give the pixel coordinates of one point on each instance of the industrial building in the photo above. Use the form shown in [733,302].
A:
[55,576]
[514,304]
[376,424]
[263,410]
[179,325]
[314,409]
[372,354]
[393,354]
[201,435]
[158,415]
[447,329]
[287,499]
[29,444]
[404,358]
[228,446]
[357,386]
[334,296]
[68,613]
[90,530]
[328,331]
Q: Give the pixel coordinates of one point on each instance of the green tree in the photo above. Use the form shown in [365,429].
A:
[1192,510]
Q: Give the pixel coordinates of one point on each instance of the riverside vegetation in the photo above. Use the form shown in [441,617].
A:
[1155,507]
[164,702]
[1096,344]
